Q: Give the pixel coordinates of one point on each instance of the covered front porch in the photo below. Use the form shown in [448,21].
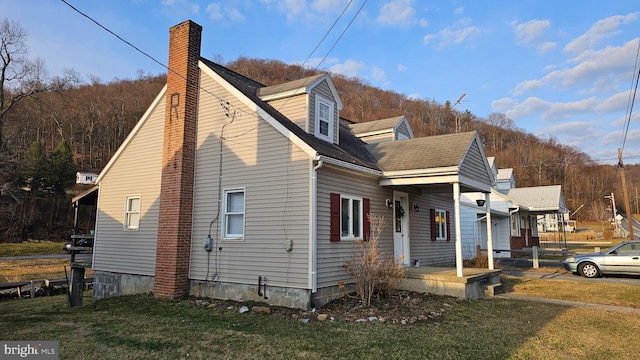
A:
[472,285]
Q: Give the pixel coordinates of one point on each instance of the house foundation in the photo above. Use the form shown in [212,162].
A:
[109,284]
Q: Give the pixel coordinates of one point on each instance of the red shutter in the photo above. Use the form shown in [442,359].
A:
[448,226]
[432,219]
[334,232]
[366,224]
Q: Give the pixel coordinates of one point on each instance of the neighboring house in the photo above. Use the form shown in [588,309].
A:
[86,177]
[517,215]
[535,201]
[227,188]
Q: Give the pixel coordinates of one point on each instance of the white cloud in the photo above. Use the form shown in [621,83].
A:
[401,67]
[601,30]
[180,8]
[551,111]
[427,38]
[600,71]
[459,32]
[349,68]
[530,31]
[459,10]
[397,13]
[327,6]
[546,47]
[219,12]
[504,104]
[378,74]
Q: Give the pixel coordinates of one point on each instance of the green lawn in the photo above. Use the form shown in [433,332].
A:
[31,248]
[141,327]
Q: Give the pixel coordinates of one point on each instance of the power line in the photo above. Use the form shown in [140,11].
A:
[632,98]
[223,103]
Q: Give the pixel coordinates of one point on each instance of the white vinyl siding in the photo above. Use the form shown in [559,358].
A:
[295,108]
[275,174]
[421,247]
[138,170]
[333,254]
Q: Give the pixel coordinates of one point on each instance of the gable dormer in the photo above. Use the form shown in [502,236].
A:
[312,103]
[372,132]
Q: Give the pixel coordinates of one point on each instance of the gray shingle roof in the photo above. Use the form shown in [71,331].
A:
[288,86]
[376,125]
[422,153]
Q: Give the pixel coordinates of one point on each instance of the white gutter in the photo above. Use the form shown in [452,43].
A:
[349,166]
[313,220]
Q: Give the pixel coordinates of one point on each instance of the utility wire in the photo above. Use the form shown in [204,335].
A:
[224,104]
[632,98]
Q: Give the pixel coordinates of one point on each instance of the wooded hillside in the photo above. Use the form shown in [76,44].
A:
[94,118]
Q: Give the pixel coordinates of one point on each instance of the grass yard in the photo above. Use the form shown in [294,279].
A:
[141,327]
[31,248]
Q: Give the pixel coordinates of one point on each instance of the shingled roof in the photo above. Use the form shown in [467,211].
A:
[422,153]
[376,125]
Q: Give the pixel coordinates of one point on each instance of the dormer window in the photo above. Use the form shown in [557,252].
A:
[324,119]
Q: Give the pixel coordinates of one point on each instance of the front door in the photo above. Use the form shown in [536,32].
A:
[401,227]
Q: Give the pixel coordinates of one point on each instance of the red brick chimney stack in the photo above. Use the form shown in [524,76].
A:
[178,159]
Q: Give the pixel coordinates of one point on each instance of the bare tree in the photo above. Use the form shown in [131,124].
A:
[21,77]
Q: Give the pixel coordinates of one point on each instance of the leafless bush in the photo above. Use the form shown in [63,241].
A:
[372,270]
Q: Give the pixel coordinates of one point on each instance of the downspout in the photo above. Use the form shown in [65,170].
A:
[313,220]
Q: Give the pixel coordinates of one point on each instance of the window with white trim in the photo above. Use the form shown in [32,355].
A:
[132,212]
[350,217]
[324,119]
[233,214]
[515,224]
[441,224]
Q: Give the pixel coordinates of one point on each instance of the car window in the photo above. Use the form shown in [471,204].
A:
[627,249]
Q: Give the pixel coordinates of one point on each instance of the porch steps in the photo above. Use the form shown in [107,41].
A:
[491,290]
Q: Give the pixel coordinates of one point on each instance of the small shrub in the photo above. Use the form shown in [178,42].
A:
[372,270]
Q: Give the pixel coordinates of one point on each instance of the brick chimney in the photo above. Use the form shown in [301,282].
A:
[178,160]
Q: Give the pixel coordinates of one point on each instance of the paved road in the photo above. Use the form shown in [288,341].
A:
[560,274]
[79,257]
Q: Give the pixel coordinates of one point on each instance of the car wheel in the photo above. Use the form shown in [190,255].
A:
[589,270]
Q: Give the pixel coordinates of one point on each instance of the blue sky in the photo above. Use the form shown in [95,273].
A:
[556,68]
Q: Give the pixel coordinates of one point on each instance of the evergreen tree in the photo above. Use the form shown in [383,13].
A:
[33,173]
[61,170]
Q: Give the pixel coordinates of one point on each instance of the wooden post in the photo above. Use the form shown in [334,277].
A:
[536,263]
[626,195]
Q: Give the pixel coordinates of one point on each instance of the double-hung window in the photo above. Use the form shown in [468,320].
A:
[132,212]
[233,214]
[441,225]
[350,217]
[324,119]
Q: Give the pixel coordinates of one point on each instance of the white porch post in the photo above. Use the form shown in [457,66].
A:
[456,211]
[487,199]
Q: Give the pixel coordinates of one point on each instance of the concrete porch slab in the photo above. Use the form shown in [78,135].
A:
[443,281]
